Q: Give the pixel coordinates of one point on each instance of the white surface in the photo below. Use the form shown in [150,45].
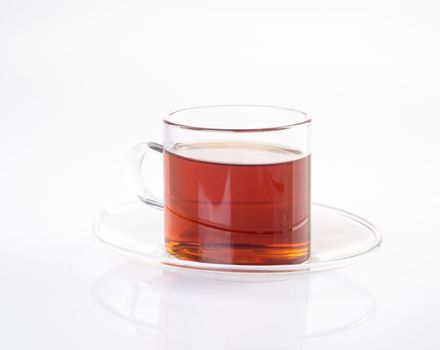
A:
[82,81]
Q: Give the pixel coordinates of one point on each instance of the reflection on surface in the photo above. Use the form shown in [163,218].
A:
[177,311]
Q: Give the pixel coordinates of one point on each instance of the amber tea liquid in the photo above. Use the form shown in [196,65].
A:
[237,203]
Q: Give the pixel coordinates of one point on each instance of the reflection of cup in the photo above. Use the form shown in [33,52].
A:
[251,313]
[182,312]
[237,184]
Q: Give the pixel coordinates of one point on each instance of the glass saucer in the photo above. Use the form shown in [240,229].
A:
[339,238]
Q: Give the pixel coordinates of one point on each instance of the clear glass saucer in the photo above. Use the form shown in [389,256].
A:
[339,238]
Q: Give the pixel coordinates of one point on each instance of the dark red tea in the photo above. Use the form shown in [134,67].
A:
[237,203]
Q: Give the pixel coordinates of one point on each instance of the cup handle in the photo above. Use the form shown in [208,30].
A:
[134,177]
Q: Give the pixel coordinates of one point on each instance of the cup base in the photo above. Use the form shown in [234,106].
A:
[240,255]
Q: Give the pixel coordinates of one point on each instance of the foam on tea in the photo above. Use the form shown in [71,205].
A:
[237,153]
[237,203]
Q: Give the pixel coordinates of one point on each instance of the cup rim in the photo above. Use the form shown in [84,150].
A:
[170,118]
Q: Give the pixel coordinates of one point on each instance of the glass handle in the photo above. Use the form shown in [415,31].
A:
[134,175]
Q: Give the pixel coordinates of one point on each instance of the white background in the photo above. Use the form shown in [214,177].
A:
[83,81]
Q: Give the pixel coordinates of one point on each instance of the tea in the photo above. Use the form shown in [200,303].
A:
[237,203]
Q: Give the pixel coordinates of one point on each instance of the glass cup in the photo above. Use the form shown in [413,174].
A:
[236,184]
